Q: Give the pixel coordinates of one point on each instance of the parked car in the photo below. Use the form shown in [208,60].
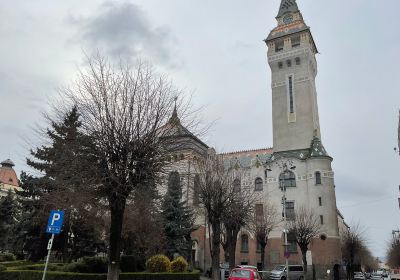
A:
[248,267]
[296,272]
[359,276]
[244,273]
[376,276]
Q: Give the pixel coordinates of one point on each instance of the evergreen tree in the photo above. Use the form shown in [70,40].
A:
[177,219]
[63,163]
[7,220]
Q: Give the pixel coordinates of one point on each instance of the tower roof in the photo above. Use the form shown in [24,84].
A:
[317,149]
[287,6]
[7,163]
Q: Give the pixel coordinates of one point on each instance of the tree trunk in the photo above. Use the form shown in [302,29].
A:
[304,255]
[263,255]
[232,248]
[215,250]
[117,207]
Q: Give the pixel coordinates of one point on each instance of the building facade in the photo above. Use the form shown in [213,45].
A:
[298,160]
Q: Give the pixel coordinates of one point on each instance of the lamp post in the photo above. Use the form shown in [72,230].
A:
[284,166]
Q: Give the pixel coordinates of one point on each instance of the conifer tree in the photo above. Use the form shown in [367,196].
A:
[63,163]
[177,219]
[7,220]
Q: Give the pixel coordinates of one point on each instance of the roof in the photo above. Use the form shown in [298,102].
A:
[7,173]
[247,158]
[317,149]
[287,6]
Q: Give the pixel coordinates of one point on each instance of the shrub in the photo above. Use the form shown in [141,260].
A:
[132,263]
[179,265]
[2,268]
[88,265]
[7,257]
[158,263]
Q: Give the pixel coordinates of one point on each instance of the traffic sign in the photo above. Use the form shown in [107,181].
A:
[55,221]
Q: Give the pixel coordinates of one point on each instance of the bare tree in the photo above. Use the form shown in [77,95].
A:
[305,227]
[263,224]
[125,112]
[237,214]
[393,254]
[215,191]
[354,250]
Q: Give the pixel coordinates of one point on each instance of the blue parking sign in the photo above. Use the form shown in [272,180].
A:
[55,222]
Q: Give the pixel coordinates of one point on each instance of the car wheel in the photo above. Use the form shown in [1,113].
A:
[283,278]
[301,278]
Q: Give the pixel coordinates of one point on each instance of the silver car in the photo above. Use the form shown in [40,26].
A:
[296,272]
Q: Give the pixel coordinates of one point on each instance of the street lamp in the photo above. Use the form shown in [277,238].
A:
[285,167]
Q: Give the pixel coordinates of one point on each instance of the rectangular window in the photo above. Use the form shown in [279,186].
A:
[259,213]
[295,41]
[279,46]
[320,201]
[290,215]
[292,243]
[290,88]
[321,219]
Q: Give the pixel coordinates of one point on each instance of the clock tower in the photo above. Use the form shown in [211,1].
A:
[291,57]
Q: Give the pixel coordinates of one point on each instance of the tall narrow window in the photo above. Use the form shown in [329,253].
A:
[291,101]
[321,219]
[318,178]
[292,242]
[244,245]
[258,184]
[290,214]
[320,201]
[259,214]
[236,185]
[196,186]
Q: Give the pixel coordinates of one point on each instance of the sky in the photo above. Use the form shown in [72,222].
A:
[214,51]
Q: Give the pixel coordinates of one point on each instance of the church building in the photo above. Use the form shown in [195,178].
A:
[297,162]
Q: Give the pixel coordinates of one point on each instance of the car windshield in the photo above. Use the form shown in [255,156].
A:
[280,268]
[240,273]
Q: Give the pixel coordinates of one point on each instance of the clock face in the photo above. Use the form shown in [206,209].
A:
[287,19]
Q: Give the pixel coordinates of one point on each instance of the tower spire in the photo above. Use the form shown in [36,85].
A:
[287,6]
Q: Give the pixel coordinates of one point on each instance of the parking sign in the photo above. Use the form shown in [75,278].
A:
[55,221]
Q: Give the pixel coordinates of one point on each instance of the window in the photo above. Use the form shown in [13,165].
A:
[297,60]
[279,46]
[244,245]
[295,41]
[320,201]
[318,178]
[321,218]
[280,65]
[290,93]
[292,243]
[258,247]
[258,184]
[287,179]
[289,63]
[196,187]
[236,185]
[259,213]
[290,214]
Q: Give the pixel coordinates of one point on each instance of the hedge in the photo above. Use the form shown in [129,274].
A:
[54,275]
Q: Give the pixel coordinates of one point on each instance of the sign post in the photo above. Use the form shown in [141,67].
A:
[54,225]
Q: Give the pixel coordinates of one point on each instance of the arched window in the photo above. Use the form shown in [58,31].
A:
[318,178]
[287,179]
[244,244]
[236,185]
[258,184]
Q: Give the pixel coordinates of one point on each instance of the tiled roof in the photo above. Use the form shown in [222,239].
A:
[8,176]
[247,158]
[287,6]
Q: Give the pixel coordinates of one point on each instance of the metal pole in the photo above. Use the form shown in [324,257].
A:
[285,231]
[49,245]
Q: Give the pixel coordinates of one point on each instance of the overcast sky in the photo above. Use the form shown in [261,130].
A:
[214,49]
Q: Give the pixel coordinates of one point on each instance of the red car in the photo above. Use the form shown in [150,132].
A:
[244,274]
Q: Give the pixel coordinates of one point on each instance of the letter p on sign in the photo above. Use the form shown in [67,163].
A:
[54,224]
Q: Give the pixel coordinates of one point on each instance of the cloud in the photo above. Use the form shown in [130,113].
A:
[122,30]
